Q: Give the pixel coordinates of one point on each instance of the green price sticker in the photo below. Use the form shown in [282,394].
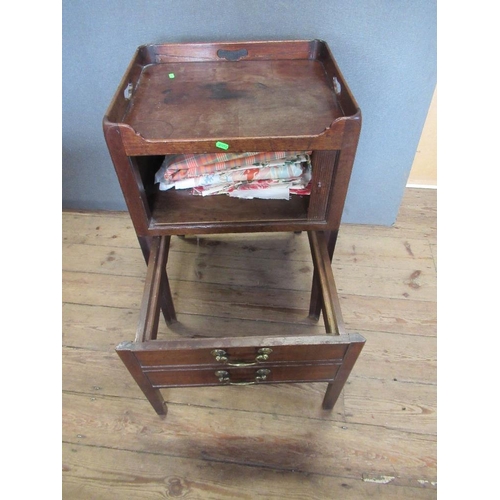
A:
[222,145]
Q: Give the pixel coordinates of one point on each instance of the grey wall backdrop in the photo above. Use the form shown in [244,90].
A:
[386,50]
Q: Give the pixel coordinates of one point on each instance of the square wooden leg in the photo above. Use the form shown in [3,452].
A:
[130,361]
[324,297]
[335,388]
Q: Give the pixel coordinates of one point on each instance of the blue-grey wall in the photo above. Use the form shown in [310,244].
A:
[386,50]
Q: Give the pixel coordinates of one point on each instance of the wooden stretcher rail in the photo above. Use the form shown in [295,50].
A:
[150,309]
[332,314]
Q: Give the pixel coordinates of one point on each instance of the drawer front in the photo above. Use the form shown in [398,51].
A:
[241,376]
[241,352]
[239,361]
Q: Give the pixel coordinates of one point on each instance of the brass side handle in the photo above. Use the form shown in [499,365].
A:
[221,356]
[225,378]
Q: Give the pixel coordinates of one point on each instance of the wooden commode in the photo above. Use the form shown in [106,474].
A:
[249,96]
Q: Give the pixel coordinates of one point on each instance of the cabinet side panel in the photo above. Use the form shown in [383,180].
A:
[342,172]
[129,178]
[323,165]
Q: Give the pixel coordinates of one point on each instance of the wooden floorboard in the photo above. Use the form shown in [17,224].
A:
[273,441]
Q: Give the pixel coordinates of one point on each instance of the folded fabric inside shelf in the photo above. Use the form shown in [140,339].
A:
[268,175]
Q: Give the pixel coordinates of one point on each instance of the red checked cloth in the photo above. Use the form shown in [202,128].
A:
[269,175]
[265,189]
[189,166]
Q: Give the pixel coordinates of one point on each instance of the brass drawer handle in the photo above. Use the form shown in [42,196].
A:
[225,378]
[222,356]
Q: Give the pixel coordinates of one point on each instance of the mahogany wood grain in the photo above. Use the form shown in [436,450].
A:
[165,298]
[256,50]
[332,70]
[209,376]
[316,301]
[153,395]
[280,96]
[342,171]
[335,388]
[129,179]
[136,145]
[183,213]
[254,96]
[332,314]
[254,341]
[210,100]
[323,165]
[285,349]
[150,310]
[340,183]
[190,362]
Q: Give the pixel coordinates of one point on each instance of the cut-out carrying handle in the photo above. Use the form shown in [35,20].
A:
[232,55]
